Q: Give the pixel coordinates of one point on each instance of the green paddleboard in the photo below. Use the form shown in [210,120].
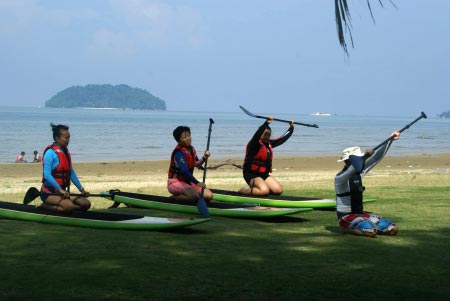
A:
[275,200]
[215,208]
[94,219]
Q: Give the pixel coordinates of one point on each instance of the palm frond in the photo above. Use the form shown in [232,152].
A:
[343,21]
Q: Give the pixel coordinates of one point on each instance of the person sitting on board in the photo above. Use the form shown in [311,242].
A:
[257,165]
[37,157]
[21,158]
[181,182]
[349,192]
[58,173]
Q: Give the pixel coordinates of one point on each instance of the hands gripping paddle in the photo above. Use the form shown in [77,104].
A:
[201,204]
[276,119]
[422,115]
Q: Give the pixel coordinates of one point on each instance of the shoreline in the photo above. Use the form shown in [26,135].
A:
[300,163]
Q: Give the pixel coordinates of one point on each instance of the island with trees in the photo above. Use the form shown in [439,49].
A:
[445,115]
[106,96]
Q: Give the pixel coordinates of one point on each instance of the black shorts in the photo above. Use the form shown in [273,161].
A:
[44,196]
[248,176]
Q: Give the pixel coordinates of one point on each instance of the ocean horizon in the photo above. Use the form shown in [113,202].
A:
[121,134]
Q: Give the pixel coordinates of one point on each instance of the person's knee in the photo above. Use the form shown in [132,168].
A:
[264,190]
[85,206]
[66,208]
[385,226]
[83,203]
[276,190]
[392,231]
[191,194]
[207,194]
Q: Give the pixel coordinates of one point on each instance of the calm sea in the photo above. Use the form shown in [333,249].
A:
[115,135]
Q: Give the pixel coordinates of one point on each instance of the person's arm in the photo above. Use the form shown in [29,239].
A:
[199,162]
[50,162]
[75,180]
[253,144]
[379,153]
[180,161]
[283,138]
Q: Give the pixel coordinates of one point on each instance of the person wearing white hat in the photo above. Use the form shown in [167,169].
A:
[349,192]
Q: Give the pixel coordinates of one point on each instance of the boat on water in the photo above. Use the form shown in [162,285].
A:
[322,114]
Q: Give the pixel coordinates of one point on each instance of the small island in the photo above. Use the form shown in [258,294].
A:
[106,96]
[444,115]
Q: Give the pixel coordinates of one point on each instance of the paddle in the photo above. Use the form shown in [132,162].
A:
[201,204]
[276,119]
[422,115]
[32,193]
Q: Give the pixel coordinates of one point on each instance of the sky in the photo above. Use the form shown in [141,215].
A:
[270,56]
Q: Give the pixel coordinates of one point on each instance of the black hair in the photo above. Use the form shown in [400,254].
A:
[180,130]
[57,129]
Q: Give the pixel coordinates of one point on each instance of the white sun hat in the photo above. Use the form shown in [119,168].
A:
[346,153]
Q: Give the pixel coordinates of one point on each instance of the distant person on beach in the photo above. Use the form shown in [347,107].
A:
[258,161]
[58,173]
[21,158]
[181,182]
[37,157]
[349,192]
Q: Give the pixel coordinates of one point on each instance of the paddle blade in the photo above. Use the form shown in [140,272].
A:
[247,111]
[201,206]
[31,194]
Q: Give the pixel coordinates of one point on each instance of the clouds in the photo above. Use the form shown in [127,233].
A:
[213,55]
[115,29]
[142,25]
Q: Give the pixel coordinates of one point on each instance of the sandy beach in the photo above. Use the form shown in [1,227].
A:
[294,173]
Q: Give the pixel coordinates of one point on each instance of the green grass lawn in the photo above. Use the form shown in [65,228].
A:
[299,257]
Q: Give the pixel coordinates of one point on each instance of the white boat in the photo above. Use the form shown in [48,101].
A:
[321,114]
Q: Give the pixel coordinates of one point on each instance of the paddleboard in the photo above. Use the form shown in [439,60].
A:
[215,208]
[275,200]
[94,219]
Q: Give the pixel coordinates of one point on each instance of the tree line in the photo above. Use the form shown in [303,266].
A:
[106,96]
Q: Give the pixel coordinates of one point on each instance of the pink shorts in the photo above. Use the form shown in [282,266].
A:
[176,186]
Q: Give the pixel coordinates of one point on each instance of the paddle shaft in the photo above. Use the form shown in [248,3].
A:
[207,147]
[422,115]
[277,119]
[80,194]
[201,204]
[33,193]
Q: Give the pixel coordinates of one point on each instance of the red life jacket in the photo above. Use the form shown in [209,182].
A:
[261,162]
[191,156]
[62,172]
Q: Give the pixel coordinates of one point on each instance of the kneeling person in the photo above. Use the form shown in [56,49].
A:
[181,182]
[58,173]
[349,192]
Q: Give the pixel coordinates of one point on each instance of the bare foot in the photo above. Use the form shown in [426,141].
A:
[245,190]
